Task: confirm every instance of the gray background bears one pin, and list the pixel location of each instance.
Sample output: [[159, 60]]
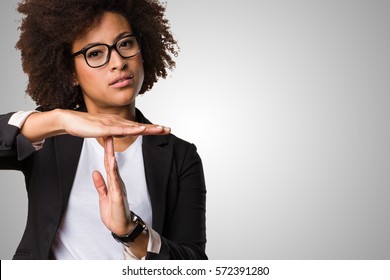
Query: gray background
[[288, 104]]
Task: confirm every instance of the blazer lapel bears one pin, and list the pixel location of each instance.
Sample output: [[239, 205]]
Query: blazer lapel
[[157, 161], [68, 149]]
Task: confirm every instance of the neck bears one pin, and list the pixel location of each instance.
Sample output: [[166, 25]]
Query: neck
[[127, 112]]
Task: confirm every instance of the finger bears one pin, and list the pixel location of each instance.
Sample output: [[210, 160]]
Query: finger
[[124, 130], [108, 151], [118, 179], [99, 183], [166, 130], [153, 128], [156, 130], [115, 185], [109, 146], [110, 162], [113, 179], [133, 130]]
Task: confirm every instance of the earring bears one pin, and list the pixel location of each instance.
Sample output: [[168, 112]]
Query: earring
[[75, 84]]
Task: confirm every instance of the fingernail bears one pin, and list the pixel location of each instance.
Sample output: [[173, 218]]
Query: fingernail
[[142, 127]]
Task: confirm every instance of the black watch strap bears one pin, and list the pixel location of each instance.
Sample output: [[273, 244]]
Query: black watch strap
[[132, 235]]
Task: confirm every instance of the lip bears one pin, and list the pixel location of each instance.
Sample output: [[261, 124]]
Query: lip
[[122, 81]]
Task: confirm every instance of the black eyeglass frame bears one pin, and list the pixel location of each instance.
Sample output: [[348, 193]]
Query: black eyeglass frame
[[110, 48]]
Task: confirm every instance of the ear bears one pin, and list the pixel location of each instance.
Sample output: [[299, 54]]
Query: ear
[[75, 80]]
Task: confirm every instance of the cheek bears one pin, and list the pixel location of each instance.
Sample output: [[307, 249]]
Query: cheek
[[86, 76], [140, 66], [141, 71], [141, 76]]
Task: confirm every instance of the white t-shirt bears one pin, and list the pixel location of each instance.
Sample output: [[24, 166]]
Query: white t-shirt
[[82, 234]]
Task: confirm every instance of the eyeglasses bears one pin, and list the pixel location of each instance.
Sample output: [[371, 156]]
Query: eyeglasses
[[99, 54]]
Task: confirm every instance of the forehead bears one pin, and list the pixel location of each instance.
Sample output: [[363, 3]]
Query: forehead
[[104, 30]]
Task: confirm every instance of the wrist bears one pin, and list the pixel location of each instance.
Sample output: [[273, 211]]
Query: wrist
[[138, 228], [42, 125], [59, 120]]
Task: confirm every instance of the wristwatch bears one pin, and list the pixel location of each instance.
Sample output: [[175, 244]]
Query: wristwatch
[[140, 226]]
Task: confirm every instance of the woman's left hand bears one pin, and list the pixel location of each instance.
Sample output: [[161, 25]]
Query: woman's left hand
[[114, 207]]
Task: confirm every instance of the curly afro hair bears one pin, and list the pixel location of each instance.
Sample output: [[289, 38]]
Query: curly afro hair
[[49, 28]]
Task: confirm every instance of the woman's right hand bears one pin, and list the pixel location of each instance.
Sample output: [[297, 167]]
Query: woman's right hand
[[39, 126]]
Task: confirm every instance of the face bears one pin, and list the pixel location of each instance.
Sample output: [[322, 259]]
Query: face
[[116, 84]]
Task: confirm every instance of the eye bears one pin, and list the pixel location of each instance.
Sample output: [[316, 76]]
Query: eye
[[96, 52], [93, 54], [126, 43]]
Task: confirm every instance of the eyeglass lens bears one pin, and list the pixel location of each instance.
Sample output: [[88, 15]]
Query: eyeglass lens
[[99, 55]]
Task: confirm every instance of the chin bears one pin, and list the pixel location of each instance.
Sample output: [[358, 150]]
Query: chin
[[126, 102], [124, 96]]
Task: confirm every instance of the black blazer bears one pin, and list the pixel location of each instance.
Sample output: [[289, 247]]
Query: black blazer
[[174, 176]]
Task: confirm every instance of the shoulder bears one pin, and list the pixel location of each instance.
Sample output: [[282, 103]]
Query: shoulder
[[179, 143], [169, 141]]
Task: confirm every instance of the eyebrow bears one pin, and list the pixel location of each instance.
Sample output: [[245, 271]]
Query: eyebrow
[[120, 35]]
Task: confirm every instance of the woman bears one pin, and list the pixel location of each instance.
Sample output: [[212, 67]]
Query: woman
[[102, 181]]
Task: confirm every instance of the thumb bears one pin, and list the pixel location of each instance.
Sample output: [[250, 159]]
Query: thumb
[[99, 183]]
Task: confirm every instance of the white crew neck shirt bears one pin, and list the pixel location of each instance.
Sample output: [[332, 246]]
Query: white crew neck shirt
[[82, 234]]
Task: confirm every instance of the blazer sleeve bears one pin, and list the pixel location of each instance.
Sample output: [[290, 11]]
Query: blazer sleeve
[[14, 147], [185, 237]]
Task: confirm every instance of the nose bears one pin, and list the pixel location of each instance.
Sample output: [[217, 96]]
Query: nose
[[116, 61]]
